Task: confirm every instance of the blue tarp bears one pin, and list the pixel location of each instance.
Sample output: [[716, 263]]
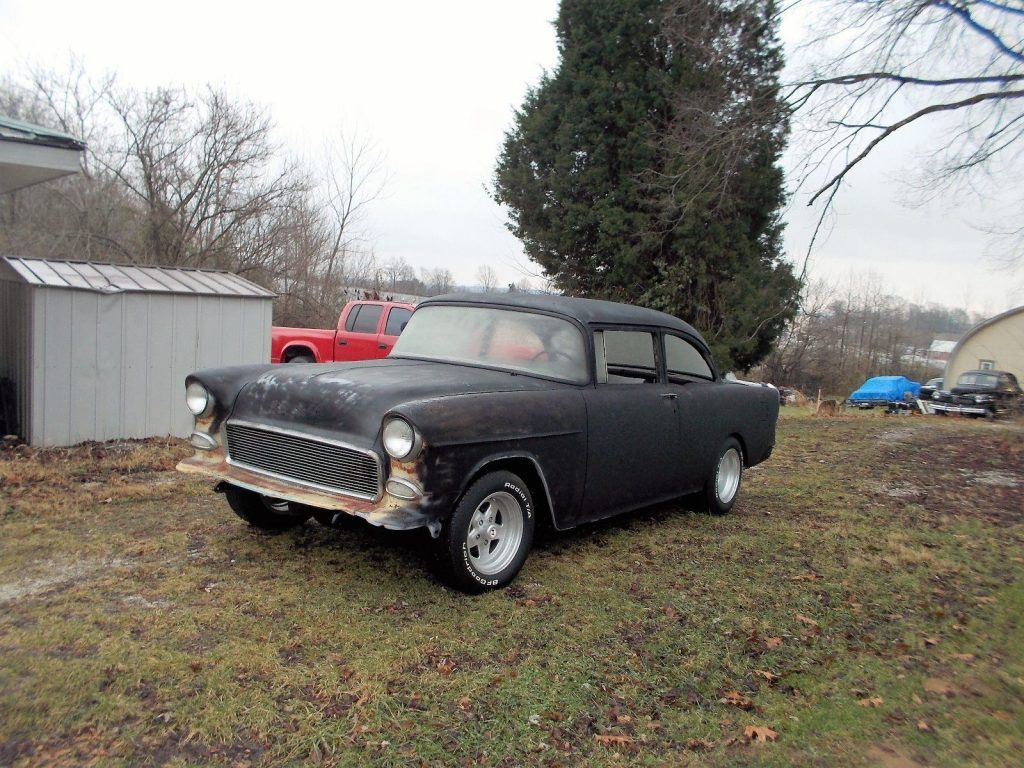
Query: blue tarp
[[885, 389]]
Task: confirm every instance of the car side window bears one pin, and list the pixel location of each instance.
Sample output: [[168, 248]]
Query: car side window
[[397, 317], [625, 357], [351, 319], [683, 361], [366, 321]]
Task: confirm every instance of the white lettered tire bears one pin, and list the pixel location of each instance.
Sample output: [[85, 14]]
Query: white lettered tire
[[487, 539]]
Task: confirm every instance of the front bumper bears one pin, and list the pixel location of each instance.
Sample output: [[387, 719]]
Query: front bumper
[[973, 410], [387, 511]]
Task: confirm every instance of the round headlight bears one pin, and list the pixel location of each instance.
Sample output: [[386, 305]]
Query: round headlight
[[400, 439], [198, 399]]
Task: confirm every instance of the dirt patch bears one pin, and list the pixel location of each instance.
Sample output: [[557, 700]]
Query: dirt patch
[[55, 573], [960, 471]]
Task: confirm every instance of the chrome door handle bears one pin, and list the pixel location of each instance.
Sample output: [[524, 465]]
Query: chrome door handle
[[669, 395]]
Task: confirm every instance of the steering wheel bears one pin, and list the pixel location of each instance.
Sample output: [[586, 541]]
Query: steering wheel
[[552, 354]]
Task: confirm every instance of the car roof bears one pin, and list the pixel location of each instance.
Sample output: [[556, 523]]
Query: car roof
[[585, 311]]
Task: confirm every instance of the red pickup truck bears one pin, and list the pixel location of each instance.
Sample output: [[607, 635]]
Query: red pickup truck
[[366, 329]]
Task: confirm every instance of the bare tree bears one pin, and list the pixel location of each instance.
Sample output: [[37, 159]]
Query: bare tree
[[487, 277], [205, 173], [437, 281], [956, 65], [353, 178]]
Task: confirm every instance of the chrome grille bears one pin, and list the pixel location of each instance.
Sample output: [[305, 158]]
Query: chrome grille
[[306, 460]]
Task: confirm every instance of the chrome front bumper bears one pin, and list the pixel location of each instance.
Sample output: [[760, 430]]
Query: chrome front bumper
[[974, 410]]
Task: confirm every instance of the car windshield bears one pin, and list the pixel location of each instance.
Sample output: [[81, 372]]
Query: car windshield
[[977, 380], [496, 338]]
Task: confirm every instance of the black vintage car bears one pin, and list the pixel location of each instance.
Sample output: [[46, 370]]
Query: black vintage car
[[980, 393], [929, 388], [491, 410]]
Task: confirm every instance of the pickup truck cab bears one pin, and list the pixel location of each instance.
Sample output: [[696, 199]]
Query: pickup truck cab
[[366, 330]]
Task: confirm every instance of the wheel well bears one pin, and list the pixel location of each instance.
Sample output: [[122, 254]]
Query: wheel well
[[295, 351], [743, 447], [527, 470]]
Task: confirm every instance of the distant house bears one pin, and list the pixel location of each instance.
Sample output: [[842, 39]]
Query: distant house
[[997, 344], [940, 350], [31, 154]]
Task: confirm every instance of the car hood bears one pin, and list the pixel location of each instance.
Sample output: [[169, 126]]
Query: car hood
[[349, 400], [969, 389]]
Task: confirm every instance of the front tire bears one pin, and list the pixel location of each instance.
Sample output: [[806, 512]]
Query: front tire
[[488, 537], [264, 512], [723, 486]]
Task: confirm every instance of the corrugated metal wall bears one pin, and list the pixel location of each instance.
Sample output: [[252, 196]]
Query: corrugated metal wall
[[109, 366], [15, 341]]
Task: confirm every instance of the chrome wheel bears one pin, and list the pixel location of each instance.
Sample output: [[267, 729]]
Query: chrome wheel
[[727, 479], [495, 533]]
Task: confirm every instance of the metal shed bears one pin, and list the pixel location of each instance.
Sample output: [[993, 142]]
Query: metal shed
[[100, 351]]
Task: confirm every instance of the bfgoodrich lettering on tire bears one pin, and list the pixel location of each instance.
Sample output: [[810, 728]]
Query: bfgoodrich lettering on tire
[[723, 486], [488, 537]]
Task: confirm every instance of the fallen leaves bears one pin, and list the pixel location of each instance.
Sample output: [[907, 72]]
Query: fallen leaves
[[872, 702], [771, 677], [967, 658], [923, 727], [772, 642], [737, 699], [806, 620], [612, 739], [939, 686], [759, 734], [699, 745]]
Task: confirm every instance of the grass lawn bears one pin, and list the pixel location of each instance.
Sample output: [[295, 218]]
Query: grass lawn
[[861, 606]]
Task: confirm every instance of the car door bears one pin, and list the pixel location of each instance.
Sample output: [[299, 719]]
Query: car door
[[632, 426], [698, 406], [362, 328], [397, 318]]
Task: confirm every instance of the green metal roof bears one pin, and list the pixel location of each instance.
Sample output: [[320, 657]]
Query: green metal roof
[[17, 130]]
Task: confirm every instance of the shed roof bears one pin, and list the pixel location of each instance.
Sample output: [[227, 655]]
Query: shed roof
[[117, 278], [583, 310]]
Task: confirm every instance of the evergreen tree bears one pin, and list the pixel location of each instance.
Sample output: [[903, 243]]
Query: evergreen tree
[[645, 167]]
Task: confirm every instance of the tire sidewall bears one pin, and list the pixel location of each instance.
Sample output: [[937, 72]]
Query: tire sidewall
[[715, 505], [455, 551]]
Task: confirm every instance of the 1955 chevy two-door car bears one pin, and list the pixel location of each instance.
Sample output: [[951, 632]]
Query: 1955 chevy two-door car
[[491, 410]]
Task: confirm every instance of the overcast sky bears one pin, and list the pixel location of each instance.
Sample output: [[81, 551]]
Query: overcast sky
[[434, 85]]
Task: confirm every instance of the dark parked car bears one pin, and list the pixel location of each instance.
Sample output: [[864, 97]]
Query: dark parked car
[[980, 393], [490, 411], [929, 388]]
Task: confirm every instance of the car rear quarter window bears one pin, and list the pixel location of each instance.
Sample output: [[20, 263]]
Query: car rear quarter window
[[367, 318], [625, 357], [396, 318], [684, 360]]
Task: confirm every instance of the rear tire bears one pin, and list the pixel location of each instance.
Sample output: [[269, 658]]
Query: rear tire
[[485, 542], [301, 359], [265, 512], [723, 485]]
